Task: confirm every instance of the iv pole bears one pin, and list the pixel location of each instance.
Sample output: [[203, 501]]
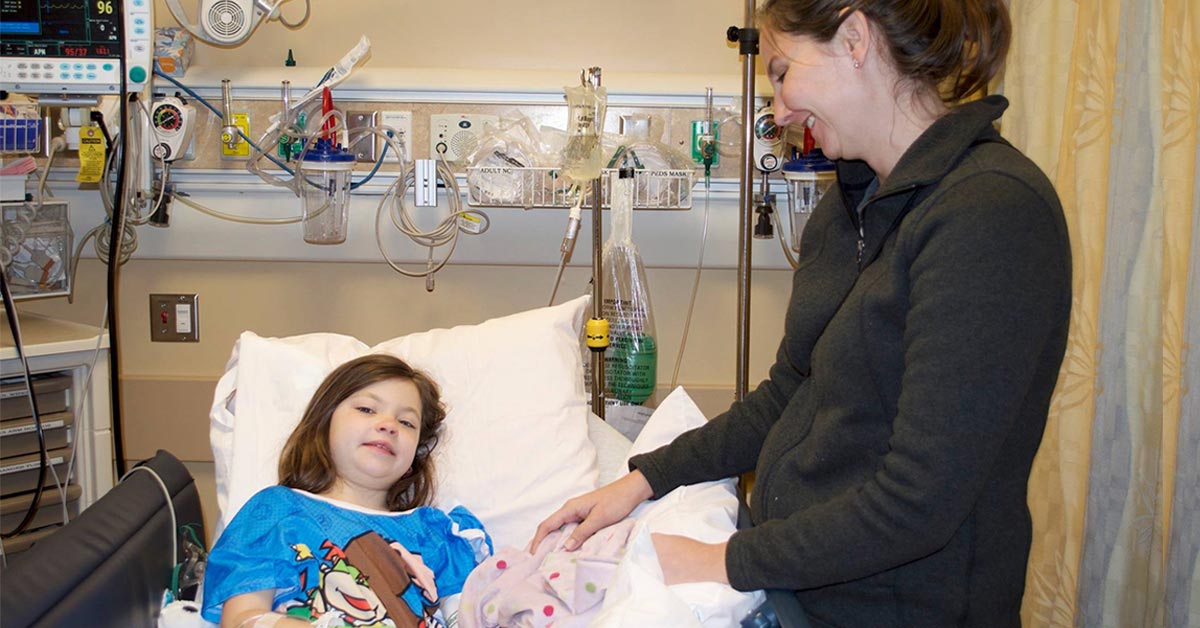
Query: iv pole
[[592, 76], [747, 39]]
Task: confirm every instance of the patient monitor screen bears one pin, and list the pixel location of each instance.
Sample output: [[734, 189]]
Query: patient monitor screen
[[60, 28]]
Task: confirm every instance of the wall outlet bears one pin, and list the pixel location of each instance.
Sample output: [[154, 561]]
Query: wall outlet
[[174, 318], [242, 149], [455, 135], [401, 123]]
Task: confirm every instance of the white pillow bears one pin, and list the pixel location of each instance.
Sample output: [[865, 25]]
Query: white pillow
[[612, 449], [515, 443], [706, 512]]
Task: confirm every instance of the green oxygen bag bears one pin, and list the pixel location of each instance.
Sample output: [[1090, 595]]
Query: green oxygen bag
[[631, 362]]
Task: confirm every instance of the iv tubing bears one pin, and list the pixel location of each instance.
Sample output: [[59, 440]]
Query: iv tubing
[[687, 322]]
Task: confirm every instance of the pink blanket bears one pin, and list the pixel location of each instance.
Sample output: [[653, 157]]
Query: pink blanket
[[551, 588]]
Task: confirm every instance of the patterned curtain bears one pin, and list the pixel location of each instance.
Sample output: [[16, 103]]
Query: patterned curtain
[[1106, 99]]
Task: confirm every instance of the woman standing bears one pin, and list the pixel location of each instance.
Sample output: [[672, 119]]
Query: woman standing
[[893, 439]]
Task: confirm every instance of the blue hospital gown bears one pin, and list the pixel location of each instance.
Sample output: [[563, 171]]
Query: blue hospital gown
[[293, 542]]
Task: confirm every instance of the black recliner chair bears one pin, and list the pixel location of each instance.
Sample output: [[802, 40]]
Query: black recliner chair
[[111, 564]]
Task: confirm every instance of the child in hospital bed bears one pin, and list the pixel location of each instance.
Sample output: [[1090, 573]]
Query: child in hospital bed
[[347, 539]]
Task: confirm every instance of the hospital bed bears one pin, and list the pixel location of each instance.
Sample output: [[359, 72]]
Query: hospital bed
[[519, 440]]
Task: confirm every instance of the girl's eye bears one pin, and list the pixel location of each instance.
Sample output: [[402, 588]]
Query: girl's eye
[[365, 410], [407, 423]]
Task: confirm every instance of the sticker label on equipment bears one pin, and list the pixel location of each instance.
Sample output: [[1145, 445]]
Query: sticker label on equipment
[[13, 394], [25, 429], [470, 224], [29, 466], [91, 155]]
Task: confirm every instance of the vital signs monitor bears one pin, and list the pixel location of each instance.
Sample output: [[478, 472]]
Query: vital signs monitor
[[75, 46]]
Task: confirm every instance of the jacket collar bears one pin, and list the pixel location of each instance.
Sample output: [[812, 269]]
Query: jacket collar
[[931, 156]]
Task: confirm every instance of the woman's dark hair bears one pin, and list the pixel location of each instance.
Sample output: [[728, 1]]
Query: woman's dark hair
[[306, 462], [951, 46]]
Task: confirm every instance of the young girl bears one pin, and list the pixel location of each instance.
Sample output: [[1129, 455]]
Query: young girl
[[355, 469]]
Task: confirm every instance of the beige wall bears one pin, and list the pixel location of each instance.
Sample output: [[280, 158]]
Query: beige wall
[[167, 387], [664, 36]]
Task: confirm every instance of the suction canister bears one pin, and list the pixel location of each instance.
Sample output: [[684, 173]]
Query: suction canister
[[808, 177], [326, 169]]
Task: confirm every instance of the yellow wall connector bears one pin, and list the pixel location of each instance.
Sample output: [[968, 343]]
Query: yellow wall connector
[[241, 148], [596, 334]]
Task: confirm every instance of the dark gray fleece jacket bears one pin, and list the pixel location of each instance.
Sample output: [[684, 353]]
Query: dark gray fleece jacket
[[893, 440]]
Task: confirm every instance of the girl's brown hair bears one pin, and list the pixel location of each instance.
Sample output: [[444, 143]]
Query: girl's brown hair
[[306, 462], [953, 47]]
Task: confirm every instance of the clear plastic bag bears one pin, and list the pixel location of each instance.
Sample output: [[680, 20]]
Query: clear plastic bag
[[582, 155], [496, 174], [631, 361], [645, 151]]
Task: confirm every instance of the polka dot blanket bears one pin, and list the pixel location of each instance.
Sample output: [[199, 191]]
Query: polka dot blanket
[[552, 588]]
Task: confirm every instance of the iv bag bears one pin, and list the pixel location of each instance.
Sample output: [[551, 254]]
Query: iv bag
[[582, 156]]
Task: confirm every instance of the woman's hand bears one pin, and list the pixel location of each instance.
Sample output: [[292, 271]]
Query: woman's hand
[[687, 560], [417, 570], [595, 510]]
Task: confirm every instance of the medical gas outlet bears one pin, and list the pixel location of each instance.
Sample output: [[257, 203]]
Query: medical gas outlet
[[234, 126]]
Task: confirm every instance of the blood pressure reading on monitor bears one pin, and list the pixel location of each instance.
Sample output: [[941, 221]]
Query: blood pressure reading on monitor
[[60, 28]]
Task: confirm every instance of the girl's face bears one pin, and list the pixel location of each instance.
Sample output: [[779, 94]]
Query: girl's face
[[815, 85], [373, 436]]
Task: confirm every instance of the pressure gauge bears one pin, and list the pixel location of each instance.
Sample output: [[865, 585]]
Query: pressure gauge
[[168, 117], [765, 128], [172, 121], [768, 141]]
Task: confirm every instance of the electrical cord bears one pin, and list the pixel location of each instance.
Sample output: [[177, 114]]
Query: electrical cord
[[43, 461], [170, 507], [446, 231], [114, 278], [81, 404], [303, 20]]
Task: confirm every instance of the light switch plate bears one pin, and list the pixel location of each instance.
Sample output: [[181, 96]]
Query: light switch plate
[[174, 318]]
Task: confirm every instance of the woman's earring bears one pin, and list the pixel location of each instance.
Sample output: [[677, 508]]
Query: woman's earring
[[857, 64]]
